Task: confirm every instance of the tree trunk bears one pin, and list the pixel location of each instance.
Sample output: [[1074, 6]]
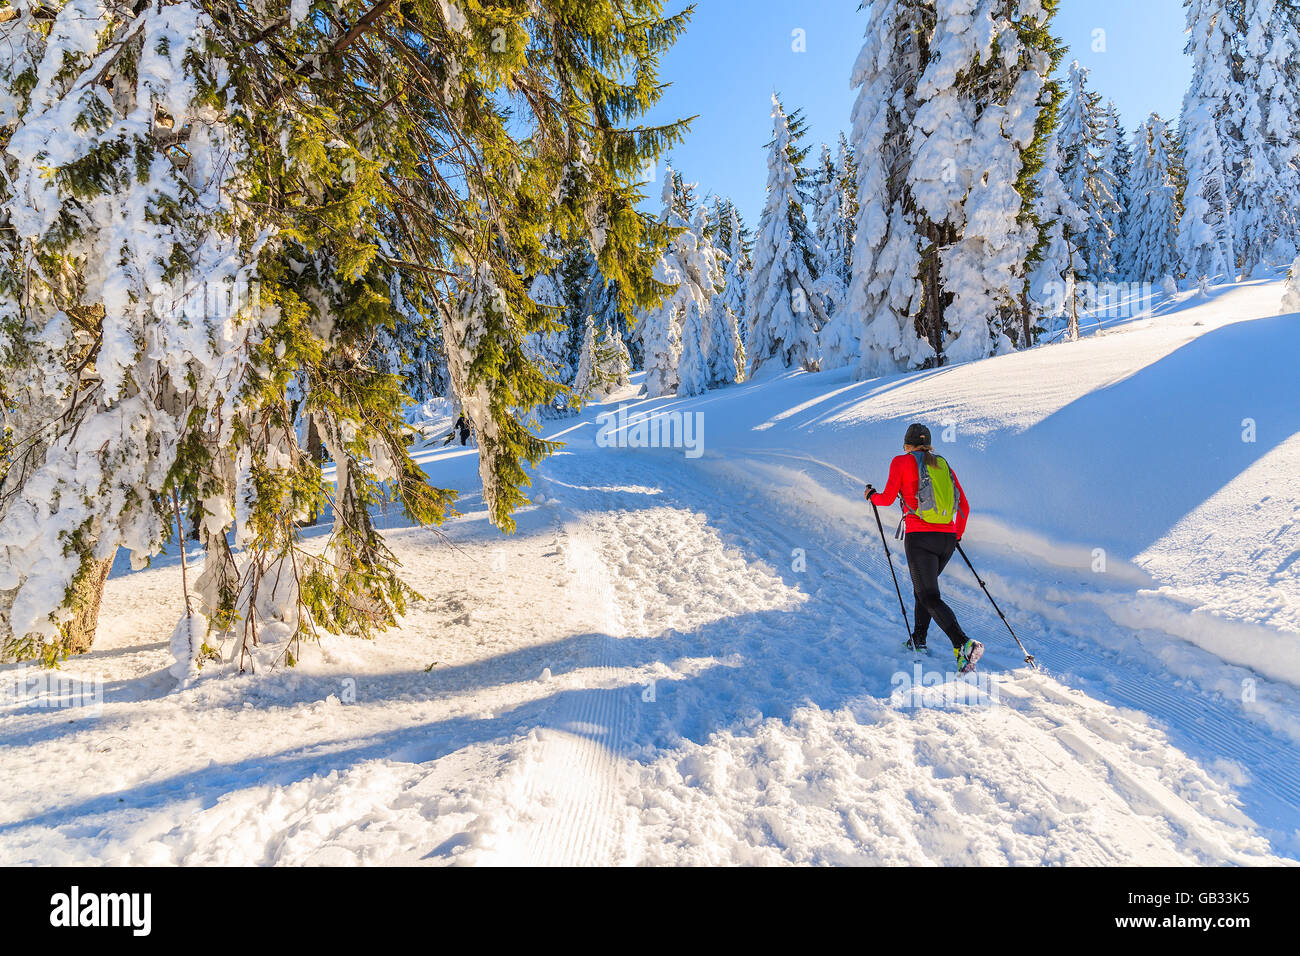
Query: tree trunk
[[79, 632], [315, 446], [316, 451], [933, 293]]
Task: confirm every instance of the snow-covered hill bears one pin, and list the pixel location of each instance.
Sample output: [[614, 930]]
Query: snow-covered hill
[[688, 659]]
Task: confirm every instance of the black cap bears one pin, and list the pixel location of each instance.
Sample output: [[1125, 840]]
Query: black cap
[[917, 434]]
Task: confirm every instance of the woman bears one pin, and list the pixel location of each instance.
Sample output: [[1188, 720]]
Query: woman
[[935, 512]]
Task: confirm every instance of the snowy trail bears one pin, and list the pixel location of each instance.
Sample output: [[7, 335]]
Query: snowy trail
[[576, 775], [774, 658], [698, 660], [461, 738], [706, 703], [1210, 720]]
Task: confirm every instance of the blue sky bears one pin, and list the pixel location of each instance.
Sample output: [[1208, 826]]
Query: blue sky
[[736, 53]]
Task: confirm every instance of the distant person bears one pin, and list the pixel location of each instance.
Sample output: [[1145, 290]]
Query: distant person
[[935, 512], [461, 426]]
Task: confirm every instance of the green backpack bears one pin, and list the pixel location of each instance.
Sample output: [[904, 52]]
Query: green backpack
[[936, 494]]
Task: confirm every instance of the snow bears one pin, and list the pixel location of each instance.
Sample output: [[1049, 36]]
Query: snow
[[686, 660], [186, 640]]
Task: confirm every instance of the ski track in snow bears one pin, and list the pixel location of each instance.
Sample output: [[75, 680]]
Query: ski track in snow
[[1053, 775], [579, 784], [698, 661], [1211, 718]]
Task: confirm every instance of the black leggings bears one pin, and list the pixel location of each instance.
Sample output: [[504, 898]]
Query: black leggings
[[927, 555]]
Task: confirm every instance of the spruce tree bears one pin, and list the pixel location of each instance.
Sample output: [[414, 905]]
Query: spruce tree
[[1205, 241], [728, 358], [950, 129], [1206, 244], [1263, 196], [783, 309], [720, 338], [834, 214], [363, 165], [846, 169], [614, 358], [573, 292], [1116, 164], [886, 290], [827, 213], [693, 375], [1088, 140], [689, 266], [1054, 273], [1151, 236], [585, 380], [726, 351]]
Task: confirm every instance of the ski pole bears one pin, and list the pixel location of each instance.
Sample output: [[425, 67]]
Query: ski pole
[[906, 623], [1029, 658]]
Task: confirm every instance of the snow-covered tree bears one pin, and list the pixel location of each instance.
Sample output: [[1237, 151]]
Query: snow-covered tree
[[1264, 195], [783, 309], [834, 213], [1210, 149], [731, 235], [734, 244], [574, 292], [885, 289], [1151, 235], [1053, 276], [946, 166], [613, 359], [126, 332], [661, 339], [728, 354], [689, 264], [1291, 290], [603, 362], [693, 373], [602, 302], [1115, 163], [1087, 138], [162, 163], [841, 207], [720, 343], [1205, 240], [1282, 114], [586, 378]]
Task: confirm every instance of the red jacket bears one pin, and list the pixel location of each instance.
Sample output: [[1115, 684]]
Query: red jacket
[[903, 482]]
